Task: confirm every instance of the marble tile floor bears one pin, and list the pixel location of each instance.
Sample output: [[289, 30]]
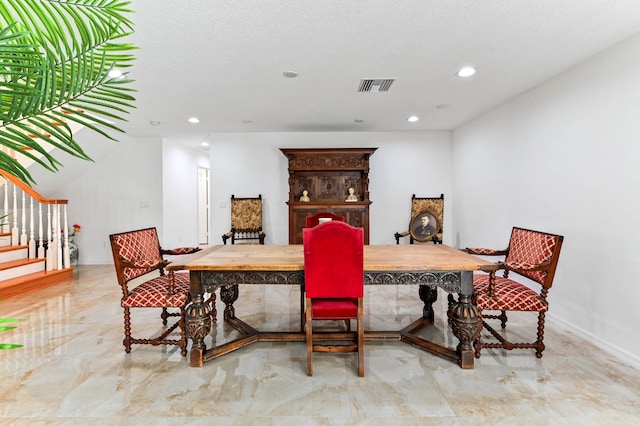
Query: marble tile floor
[[73, 370]]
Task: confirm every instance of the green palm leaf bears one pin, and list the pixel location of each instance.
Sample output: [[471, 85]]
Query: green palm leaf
[[6, 328], [55, 58]]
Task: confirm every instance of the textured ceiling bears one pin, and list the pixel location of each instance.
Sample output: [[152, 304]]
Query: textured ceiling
[[223, 60]]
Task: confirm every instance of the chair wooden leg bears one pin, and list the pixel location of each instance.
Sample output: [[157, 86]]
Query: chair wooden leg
[[302, 310], [309, 337], [164, 315], [127, 331], [539, 345], [450, 302], [211, 303], [360, 335], [477, 345], [503, 319], [183, 331]]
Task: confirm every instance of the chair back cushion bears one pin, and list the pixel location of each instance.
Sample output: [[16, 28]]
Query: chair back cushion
[[140, 247], [314, 220], [333, 260], [246, 213], [527, 248]]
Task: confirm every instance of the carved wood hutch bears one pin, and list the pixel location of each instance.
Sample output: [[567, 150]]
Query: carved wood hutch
[[327, 174]]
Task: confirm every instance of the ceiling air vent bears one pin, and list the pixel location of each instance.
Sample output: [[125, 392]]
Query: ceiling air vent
[[375, 85]]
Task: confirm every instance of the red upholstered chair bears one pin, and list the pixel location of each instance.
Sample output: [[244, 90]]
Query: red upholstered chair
[[532, 255], [310, 222], [334, 283], [138, 253], [316, 219]]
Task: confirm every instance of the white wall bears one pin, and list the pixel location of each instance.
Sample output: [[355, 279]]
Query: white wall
[[564, 158], [135, 183], [248, 164], [121, 191], [180, 197]]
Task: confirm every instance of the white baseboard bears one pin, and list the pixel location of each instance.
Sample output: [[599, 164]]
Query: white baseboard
[[622, 355]]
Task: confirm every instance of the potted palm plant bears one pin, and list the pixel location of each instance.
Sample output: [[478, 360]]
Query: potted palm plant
[[55, 64]]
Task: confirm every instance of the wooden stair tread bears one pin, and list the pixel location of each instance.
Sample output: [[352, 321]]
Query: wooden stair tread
[[12, 248], [19, 262], [31, 282]]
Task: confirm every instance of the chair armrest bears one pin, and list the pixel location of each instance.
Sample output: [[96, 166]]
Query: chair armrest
[[226, 236], [180, 250], [399, 235], [486, 251], [144, 264], [524, 266]]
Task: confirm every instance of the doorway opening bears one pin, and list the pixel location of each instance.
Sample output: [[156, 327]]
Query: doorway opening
[[203, 206]]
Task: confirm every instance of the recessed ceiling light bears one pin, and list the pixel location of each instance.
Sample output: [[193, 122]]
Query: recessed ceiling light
[[290, 74], [114, 73], [412, 119], [204, 144], [194, 120], [466, 72], [154, 123]]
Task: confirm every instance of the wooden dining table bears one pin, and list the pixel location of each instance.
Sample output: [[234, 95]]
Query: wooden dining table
[[431, 266]]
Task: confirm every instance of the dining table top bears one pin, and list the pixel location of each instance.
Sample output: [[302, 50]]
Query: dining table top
[[257, 257]]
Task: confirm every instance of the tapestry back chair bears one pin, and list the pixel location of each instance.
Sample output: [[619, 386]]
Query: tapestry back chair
[[137, 255], [246, 221], [532, 255], [426, 220], [334, 284]]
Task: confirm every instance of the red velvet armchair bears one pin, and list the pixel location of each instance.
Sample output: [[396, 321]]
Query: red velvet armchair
[[532, 255], [138, 253], [334, 284]]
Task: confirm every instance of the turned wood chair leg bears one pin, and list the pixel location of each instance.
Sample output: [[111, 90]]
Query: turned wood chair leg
[[183, 332], [164, 315], [503, 319], [539, 345], [127, 331]]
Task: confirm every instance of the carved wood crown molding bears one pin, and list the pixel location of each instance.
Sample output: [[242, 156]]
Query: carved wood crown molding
[[325, 163], [328, 159]]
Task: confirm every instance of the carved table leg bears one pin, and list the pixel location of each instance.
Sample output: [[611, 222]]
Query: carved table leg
[[198, 326], [465, 322], [229, 294], [428, 295]]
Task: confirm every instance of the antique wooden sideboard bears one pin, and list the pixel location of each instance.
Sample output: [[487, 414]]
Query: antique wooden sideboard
[[327, 174]]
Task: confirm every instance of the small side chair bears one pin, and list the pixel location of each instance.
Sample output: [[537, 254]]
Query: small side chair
[[246, 221], [431, 209]]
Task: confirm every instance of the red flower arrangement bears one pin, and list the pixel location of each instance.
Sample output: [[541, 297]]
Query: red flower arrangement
[[73, 230]]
